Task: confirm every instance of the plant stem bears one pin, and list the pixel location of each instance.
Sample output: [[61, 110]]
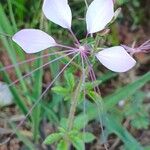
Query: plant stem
[[75, 99], [74, 105]]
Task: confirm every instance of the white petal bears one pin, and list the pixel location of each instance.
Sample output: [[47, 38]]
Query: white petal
[[33, 40], [99, 14], [116, 59], [59, 12]]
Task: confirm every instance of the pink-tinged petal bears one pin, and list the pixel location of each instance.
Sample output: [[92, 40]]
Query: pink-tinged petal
[[116, 59], [33, 40], [99, 14], [59, 12]]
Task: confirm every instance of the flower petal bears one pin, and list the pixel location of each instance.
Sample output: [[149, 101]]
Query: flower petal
[[59, 12], [33, 40], [99, 14], [116, 59]]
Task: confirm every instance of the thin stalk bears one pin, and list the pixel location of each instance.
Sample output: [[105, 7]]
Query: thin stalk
[[39, 68], [32, 59], [86, 4], [84, 93], [74, 101], [74, 105], [75, 38], [98, 103], [64, 46], [40, 98]]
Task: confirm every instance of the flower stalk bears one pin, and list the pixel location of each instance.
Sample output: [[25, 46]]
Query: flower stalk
[[74, 103]]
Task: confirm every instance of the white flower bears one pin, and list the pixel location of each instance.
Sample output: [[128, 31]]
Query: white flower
[[99, 14]]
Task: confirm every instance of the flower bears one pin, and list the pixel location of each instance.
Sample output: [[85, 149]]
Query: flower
[[143, 48], [99, 14]]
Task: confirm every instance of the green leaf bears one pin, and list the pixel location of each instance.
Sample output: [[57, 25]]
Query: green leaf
[[140, 122], [115, 127], [60, 90], [91, 85], [62, 145], [37, 90], [64, 123], [88, 137], [54, 137], [78, 143], [111, 100], [70, 79], [79, 123], [125, 92]]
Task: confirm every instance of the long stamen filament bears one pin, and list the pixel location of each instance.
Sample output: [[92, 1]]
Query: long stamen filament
[[39, 68], [40, 98], [93, 78], [64, 46], [75, 38], [32, 59]]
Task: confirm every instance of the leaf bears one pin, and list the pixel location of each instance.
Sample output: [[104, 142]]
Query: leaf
[[37, 90], [81, 121], [88, 137], [62, 145], [60, 90], [111, 100], [91, 85], [78, 143], [115, 127], [126, 91], [70, 79], [140, 122], [64, 123], [54, 137]]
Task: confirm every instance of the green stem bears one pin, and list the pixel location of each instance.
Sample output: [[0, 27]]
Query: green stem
[[75, 100], [74, 105]]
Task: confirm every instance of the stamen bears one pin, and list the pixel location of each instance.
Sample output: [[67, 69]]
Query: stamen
[[77, 41], [27, 75], [145, 43], [100, 110], [40, 98], [64, 46], [32, 59]]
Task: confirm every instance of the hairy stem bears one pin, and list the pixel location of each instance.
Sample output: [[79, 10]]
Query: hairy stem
[[74, 105], [76, 97]]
